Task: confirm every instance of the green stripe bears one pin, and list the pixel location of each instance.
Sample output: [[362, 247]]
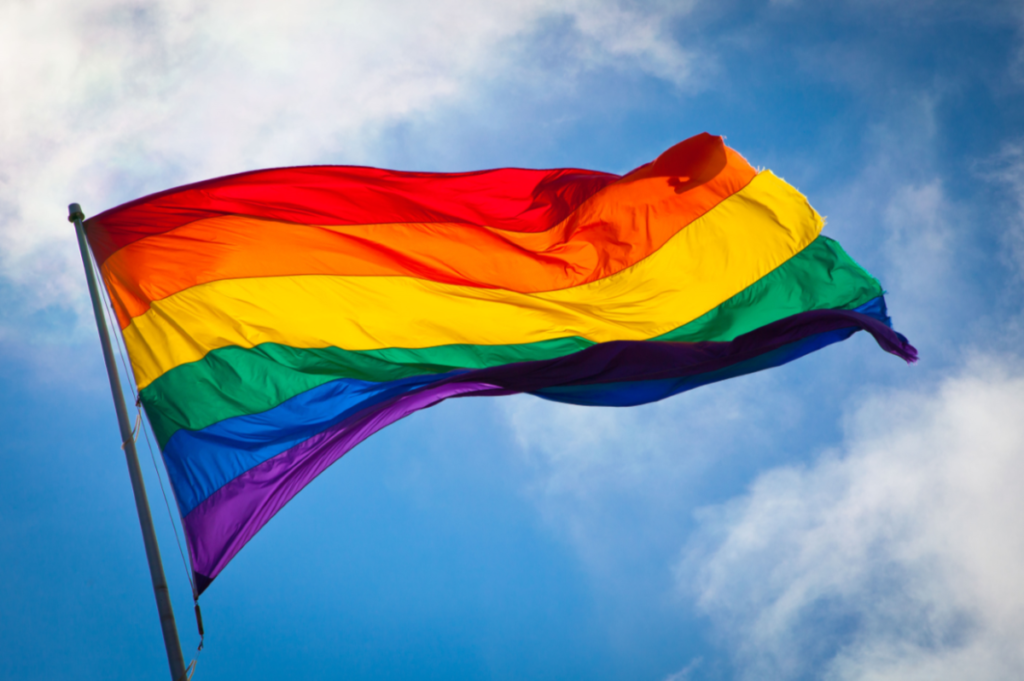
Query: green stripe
[[233, 381]]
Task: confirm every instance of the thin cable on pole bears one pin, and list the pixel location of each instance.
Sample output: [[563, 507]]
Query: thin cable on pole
[[184, 561], [111, 318]]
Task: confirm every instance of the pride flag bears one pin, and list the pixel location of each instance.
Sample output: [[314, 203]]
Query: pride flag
[[275, 319]]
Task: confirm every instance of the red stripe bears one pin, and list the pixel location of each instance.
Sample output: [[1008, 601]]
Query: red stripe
[[512, 199], [506, 198]]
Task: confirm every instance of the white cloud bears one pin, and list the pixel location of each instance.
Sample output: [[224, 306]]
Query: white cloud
[[1006, 170], [919, 244], [896, 557], [686, 673], [586, 453], [106, 100]]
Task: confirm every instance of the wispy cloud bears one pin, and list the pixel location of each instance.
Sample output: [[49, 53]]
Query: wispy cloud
[[894, 557], [1006, 170], [686, 673], [583, 453]]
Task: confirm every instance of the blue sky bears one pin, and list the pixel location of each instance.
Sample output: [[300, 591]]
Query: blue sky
[[845, 517]]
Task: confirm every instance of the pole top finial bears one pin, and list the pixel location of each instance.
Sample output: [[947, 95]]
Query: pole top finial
[[75, 212]]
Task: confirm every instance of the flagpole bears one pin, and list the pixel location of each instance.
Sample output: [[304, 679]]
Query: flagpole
[[156, 568]]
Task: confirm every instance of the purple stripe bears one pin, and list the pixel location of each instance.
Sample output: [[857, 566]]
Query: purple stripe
[[222, 524]]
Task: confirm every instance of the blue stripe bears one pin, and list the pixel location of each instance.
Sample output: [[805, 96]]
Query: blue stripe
[[199, 462]]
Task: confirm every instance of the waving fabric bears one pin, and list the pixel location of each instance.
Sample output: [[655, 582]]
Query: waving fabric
[[277, 318]]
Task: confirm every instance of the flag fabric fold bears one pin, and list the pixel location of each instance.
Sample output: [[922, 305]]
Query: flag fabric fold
[[277, 318]]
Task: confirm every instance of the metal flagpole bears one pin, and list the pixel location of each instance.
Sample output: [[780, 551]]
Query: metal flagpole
[[156, 568]]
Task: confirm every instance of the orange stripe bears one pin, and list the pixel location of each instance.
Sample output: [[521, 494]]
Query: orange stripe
[[613, 230]]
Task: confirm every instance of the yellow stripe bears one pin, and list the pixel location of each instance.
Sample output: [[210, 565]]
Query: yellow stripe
[[714, 258]]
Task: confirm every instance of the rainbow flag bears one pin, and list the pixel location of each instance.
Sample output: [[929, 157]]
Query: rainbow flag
[[275, 319]]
